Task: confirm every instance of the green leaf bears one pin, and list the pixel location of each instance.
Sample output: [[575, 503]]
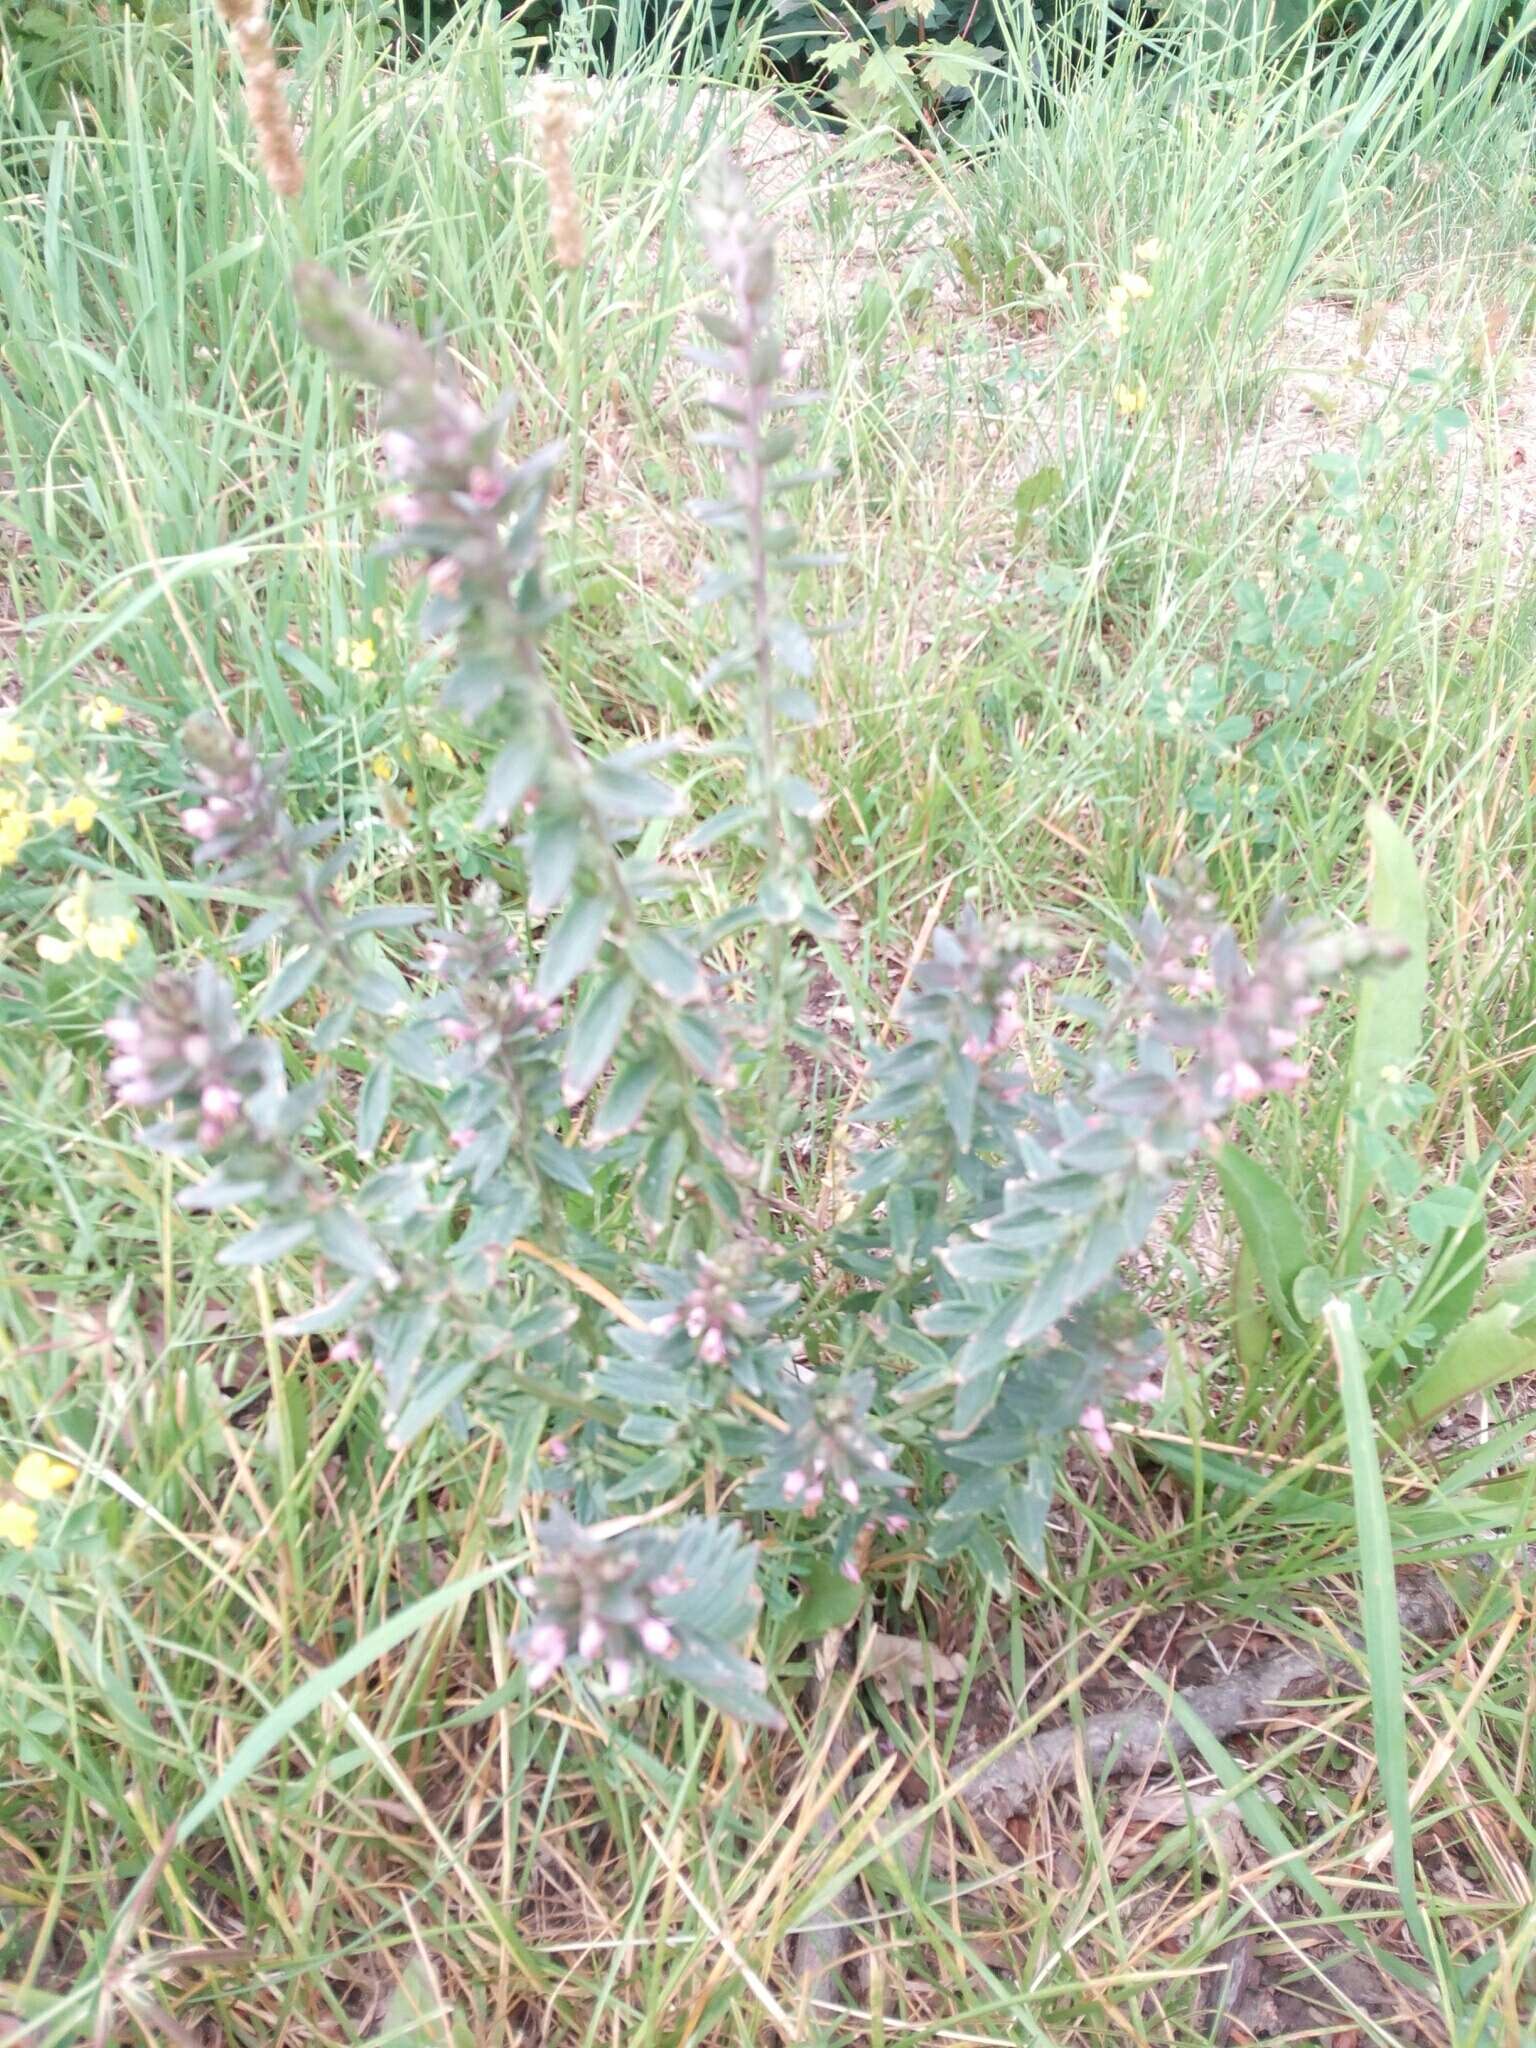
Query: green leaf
[[1378, 1603], [1251, 1325], [827, 1601], [955, 63], [1513, 1280], [1389, 1018], [1040, 488], [373, 1108], [291, 981], [419, 2016], [347, 1241], [886, 72], [630, 1090], [270, 1241], [1272, 1229], [599, 1023], [572, 944], [667, 966], [553, 854], [1487, 1350]]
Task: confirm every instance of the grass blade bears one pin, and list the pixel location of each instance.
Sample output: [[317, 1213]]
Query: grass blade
[[1378, 1606]]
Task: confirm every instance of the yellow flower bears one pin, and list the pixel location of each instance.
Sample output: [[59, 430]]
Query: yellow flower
[[104, 938], [431, 748], [1131, 398], [1149, 251], [383, 767], [109, 938], [78, 810], [357, 655], [18, 1524], [40, 1477], [13, 835], [1134, 285], [101, 714], [14, 751]]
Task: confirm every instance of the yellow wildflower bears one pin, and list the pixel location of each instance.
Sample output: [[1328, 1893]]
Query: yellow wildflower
[[78, 810], [1114, 310], [357, 655], [14, 751], [1131, 398], [1149, 251], [18, 1524], [40, 1477], [101, 714], [104, 938], [383, 767], [431, 748], [13, 832], [1134, 285]]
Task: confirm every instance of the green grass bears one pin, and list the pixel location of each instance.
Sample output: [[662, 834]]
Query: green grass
[[265, 1768]]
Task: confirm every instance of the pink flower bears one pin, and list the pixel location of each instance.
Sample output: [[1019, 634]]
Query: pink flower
[[346, 1348], [463, 1138], [546, 1652], [199, 821], [849, 1489], [850, 1572], [1091, 1421], [657, 1637], [459, 1029], [592, 1638]]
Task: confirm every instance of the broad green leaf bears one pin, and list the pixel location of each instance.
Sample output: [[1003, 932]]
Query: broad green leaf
[[1513, 1280], [373, 1107], [291, 981], [572, 944], [827, 1601], [1251, 1324], [955, 63], [1040, 488], [599, 1022], [1389, 1021], [1378, 1607], [1453, 1278], [270, 1241], [419, 2016], [351, 1244], [1272, 1229], [1487, 1350], [668, 966]]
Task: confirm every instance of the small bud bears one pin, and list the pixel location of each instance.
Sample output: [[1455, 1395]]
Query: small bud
[[849, 1489], [591, 1640], [1091, 1421], [657, 1637], [850, 1572]]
